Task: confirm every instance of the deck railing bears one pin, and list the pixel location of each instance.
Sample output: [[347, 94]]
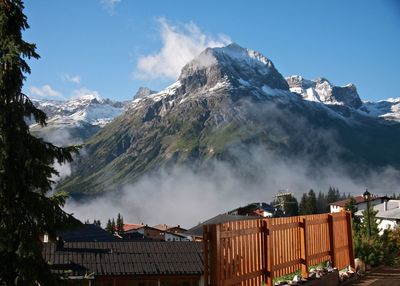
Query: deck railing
[[253, 252]]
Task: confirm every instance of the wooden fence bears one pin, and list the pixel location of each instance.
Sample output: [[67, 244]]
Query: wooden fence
[[253, 252]]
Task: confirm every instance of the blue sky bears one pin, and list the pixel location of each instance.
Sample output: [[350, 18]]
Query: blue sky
[[112, 47]]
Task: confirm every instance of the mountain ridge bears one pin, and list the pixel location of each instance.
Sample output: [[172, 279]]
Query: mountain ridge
[[226, 102]]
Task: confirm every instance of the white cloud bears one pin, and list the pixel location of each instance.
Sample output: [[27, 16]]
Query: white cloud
[[69, 78], [44, 91], [180, 44], [110, 4]]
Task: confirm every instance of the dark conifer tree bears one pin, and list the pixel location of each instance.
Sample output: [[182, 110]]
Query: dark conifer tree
[[322, 204], [113, 226], [332, 196], [304, 206], [291, 206], [308, 203], [26, 209], [109, 226], [120, 224], [312, 202]]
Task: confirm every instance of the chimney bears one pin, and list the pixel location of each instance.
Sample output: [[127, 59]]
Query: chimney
[[385, 205]]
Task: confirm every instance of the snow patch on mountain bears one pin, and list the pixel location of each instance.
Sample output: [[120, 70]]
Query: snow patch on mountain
[[388, 109], [86, 109]]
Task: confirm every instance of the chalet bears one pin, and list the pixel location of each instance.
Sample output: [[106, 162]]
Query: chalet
[[156, 233], [127, 227], [126, 263], [254, 209], [170, 228], [388, 214], [360, 202]]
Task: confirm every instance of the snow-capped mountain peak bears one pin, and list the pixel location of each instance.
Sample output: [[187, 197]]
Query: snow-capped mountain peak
[[88, 96], [230, 65]]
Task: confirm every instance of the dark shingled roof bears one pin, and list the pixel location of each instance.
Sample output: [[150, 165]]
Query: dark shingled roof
[[125, 258], [85, 232]]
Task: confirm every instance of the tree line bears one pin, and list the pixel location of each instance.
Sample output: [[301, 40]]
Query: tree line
[[310, 203]]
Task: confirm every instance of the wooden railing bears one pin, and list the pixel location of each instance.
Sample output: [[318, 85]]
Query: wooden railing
[[253, 252]]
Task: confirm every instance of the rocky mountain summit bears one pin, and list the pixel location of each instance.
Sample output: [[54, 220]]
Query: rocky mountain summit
[[75, 120], [321, 90], [229, 103]]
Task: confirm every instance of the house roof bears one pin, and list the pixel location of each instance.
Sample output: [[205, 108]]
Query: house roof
[[392, 212], [255, 208], [198, 229], [132, 226], [163, 227], [359, 200], [125, 258], [166, 227], [85, 232]]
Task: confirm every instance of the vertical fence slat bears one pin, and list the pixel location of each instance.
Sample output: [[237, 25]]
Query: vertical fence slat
[[332, 239]]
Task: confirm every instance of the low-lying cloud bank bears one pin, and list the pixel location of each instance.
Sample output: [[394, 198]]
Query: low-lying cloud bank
[[186, 197]]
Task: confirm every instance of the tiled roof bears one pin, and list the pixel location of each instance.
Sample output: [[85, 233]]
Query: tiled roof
[[132, 226], [163, 227], [359, 200], [125, 258]]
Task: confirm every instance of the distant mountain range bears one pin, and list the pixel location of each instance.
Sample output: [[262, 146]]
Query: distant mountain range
[[226, 102]]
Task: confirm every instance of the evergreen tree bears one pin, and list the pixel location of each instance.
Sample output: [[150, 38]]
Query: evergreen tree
[[304, 205], [369, 222], [97, 222], [120, 224], [308, 203], [110, 226], [113, 226], [351, 206], [333, 195], [312, 201], [322, 204], [291, 206], [26, 209]]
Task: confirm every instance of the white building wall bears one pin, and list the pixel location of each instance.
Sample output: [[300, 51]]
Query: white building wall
[[385, 224], [335, 209]]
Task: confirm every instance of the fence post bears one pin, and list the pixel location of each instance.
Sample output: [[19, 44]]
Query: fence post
[[304, 252], [215, 257], [268, 252], [350, 239], [332, 239]]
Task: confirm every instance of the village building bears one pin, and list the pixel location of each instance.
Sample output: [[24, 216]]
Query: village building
[[254, 209], [126, 263], [361, 204], [160, 232], [388, 214]]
